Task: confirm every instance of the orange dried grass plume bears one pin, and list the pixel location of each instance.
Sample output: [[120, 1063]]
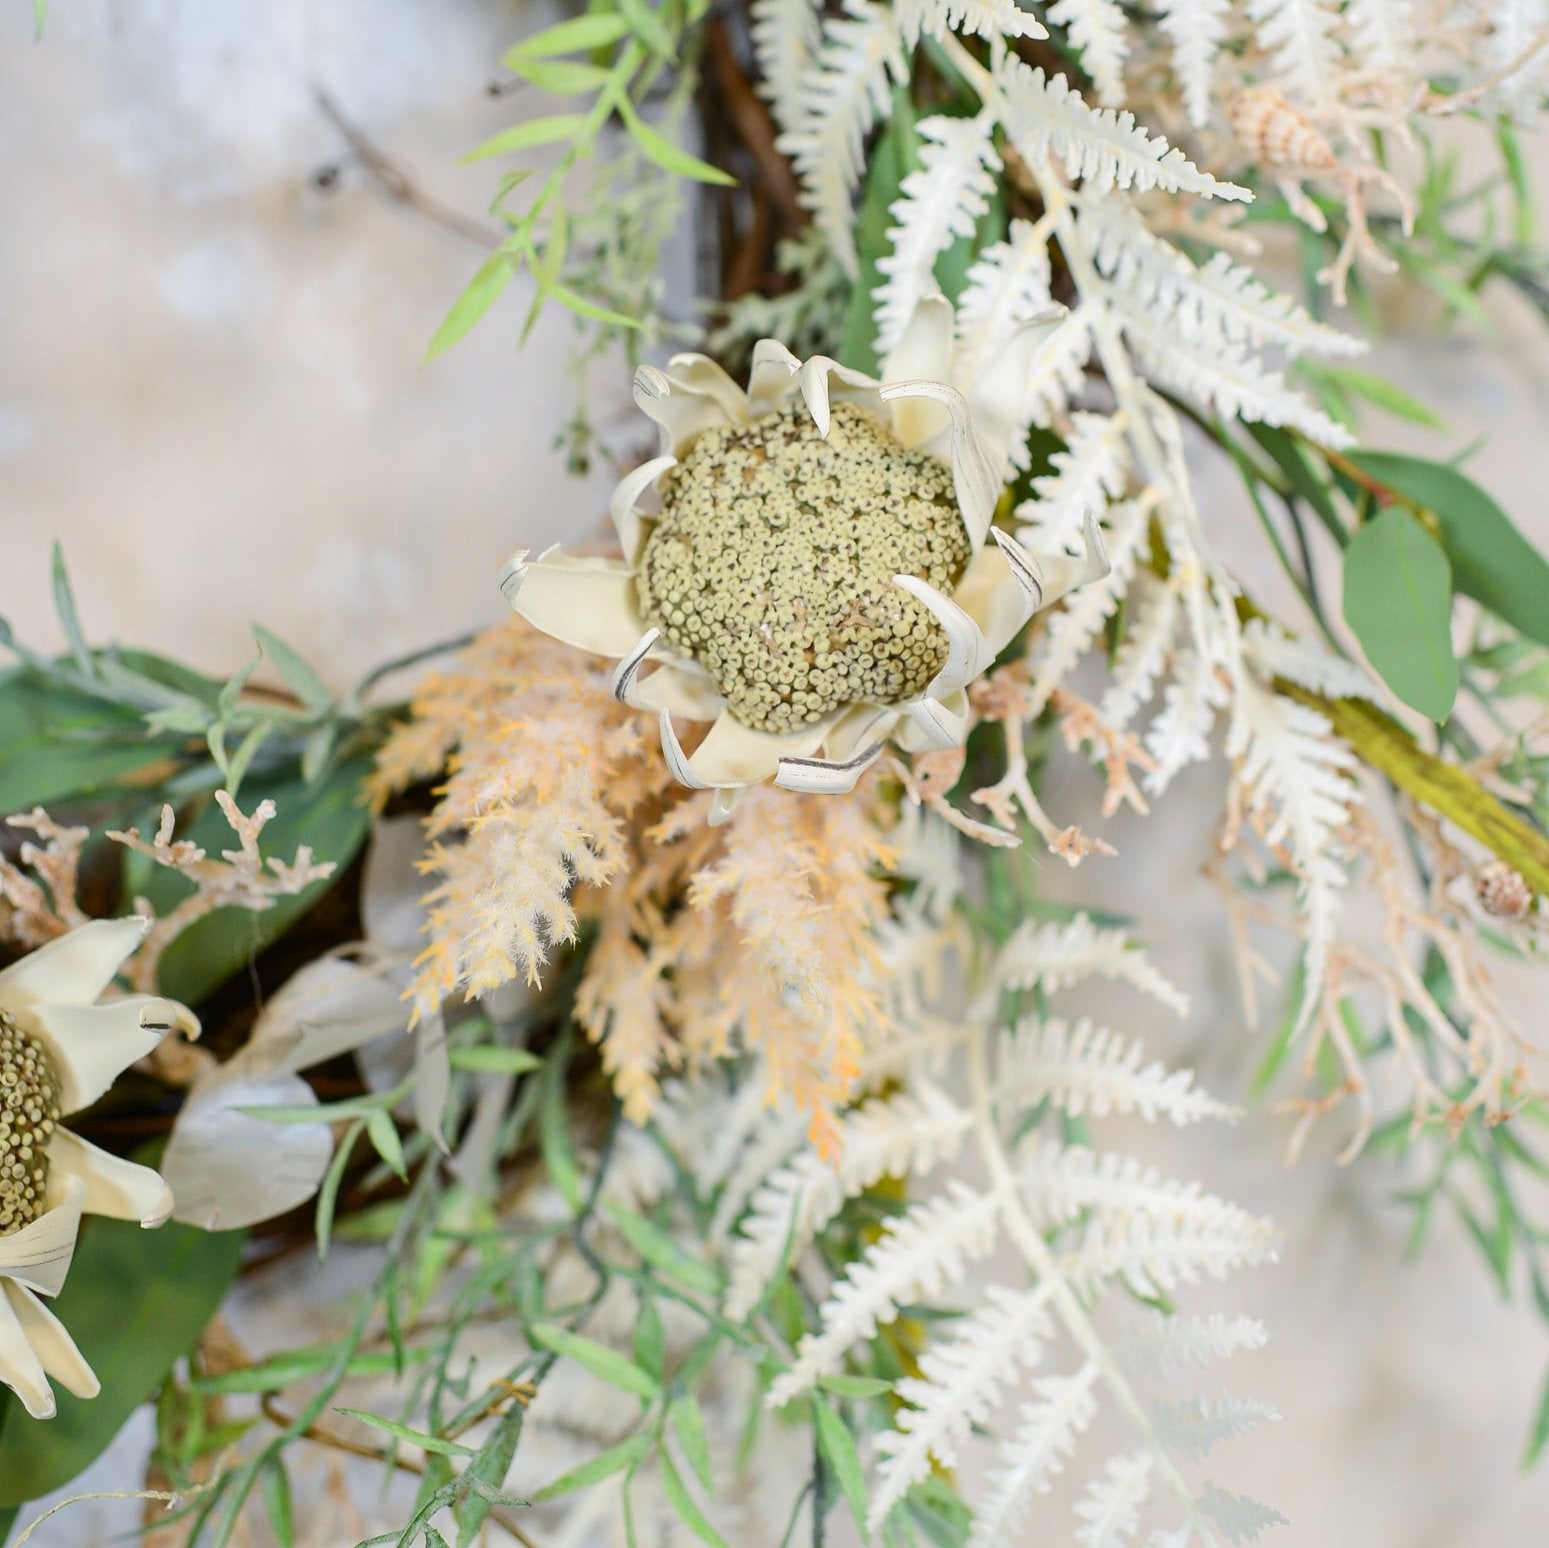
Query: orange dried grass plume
[[758, 935]]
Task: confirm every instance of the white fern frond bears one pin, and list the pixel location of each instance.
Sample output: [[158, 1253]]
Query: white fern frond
[[842, 93], [1297, 777], [1166, 1344], [1054, 375], [786, 34], [1052, 956], [1169, 1537], [1221, 374], [1382, 38], [1195, 1426], [1195, 29], [1144, 651], [1299, 37], [1007, 284], [1241, 1519], [1046, 1435], [1515, 26], [1221, 302], [1180, 735], [906, 1135], [984, 18], [961, 1379], [1110, 1510], [1087, 474], [1099, 30], [1105, 149], [918, 1255], [940, 201], [1091, 1070], [1070, 631], [1272, 653], [775, 1138]]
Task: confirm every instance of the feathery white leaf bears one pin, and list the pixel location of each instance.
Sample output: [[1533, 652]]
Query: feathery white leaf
[[1143, 653], [1054, 376], [906, 1135], [769, 1144], [1272, 653], [842, 93], [1220, 303], [1089, 472], [1199, 1423], [1007, 284], [1105, 149], [1089, 1069], [1382, 40], [1514, 26], [1196, 29], [985, 18], [1298, 35], [1046, 1435], [938, 202], [1110, 1509], [1097, 28], [1242, 1519], [961, 1378], [918, 1255], [1296, 773], [786, 34], [1051, 956], [1180, 735], [1165, 1344]]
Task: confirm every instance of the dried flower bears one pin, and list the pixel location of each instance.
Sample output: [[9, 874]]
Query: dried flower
[[59, 1051]]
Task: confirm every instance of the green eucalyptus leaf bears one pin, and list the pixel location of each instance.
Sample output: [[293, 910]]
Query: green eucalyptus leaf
[[561, 77], [1492, 561], [1398, 600], [135, 1302]]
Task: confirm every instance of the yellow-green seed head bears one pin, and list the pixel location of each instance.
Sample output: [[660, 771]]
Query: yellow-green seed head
[[29, 1114], [772, 564]]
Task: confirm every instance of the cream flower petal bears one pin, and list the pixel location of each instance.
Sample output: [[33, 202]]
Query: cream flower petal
[[968, 655], [998, 395], [119, 1189], [686, 402], [826, 776], [932, 725], [39, 1254], [20, 1368], [51, 1343], [678, 687], [858, 727], [973, 474], [228, 1169], [818, 377], [771, 376], [92, 1044], [75, 968], [998, 593], [627, 517], [586, 602], [924, 350], [331, 1006], [733, 754]]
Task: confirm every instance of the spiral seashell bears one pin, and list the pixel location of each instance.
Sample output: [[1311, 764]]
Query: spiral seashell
[[1276, 133]]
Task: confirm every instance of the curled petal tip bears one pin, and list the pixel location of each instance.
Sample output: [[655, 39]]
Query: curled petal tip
[[677, 760], [168, 1016], [512, 573], [629, 668], [825, 776], [651, 384], [1097, 562]]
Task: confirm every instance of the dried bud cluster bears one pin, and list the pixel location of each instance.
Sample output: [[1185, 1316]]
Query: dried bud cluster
[[772, 564], [29, 1113], [1502, 890]]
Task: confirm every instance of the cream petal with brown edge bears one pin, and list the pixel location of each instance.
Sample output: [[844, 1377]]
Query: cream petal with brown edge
[[39, 1254], [690, 372], [973, 475], [857, 727], [771, 377], [994, 598], [119, 1189], [628, 518], [733, 754], [75, 968], [818, 379], [50, 1341], [933, 725], [587, 602], [93, 1044], [683, 409], [682, 689], [923, 352]]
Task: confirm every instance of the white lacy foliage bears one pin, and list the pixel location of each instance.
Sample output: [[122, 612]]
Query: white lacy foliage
[[1299, 37], [984, 18], [1090, 1225], [1300, 793], [939, 201], [1087, 474], [1381, 33], [1272, 653], [1097, 28], [1196, 30], [1007, 284], [785, 39]]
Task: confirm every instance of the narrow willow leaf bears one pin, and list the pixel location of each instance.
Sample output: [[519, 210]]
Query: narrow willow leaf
[[494, 1060], [614, 1460], [839, 1451], [615, 1369], [664, 1254], [554, 1134], [69, 619], [683, 1502], [275, 1485], [1492, 561], [669, 157], [1538, 1439], [1398, 600], [299, 676], [688, 1423], [650, 1340], [383, 1133], [536, 131], [328, 1192], [648, 27], [1379, 390], [421, 1438], [562, 77], [483, 290], [855, 1386], [580, 34]]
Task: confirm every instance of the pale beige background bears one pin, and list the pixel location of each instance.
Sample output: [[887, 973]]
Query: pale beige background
[[210, 391]]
